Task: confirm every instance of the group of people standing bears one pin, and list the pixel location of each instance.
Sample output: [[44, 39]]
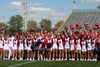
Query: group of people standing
[[73, 45]]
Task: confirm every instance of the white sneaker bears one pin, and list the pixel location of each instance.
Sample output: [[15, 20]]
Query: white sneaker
[[56, 58], [30, 59], [38, 58], [62, 59], [21, 59], [33, 58], [49, 59], [65, 58], [59, 59], [12, 58], [3, 58], [27, 59], [53, 59]]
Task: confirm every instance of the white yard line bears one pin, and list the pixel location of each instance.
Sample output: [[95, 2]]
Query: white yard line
[[21, 64]]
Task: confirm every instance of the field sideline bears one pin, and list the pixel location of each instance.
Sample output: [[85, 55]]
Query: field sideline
[[10, 63]]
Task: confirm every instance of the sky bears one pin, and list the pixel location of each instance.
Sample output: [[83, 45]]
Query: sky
[[54, 10]]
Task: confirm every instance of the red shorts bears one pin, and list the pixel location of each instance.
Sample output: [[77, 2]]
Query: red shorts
[[1, 48]]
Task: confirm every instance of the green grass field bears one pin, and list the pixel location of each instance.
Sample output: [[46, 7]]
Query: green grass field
[[10, 63]]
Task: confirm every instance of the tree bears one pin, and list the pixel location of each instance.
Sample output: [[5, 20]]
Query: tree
[[33, 24], [59, 23], [98, 7], [5, 26], [48, 24], [15, 24]]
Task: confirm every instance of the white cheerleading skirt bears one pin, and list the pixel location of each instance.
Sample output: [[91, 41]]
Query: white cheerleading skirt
[[25, 47], [93, 46], [21, 47], [78, 47], [61, 47], [40, 47], [72, 47], [29, 47], [83, 48], [89, 47], [6, 47], [54, 46], [15, 47], [67, 46]]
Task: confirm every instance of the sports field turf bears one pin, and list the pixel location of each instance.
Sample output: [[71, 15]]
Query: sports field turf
[[10, 63]]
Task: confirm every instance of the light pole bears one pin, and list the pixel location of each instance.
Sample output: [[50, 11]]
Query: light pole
[[25, 15]]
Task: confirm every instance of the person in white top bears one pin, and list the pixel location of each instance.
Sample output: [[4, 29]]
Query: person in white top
[[10, 39], [61, 48], [55, 48], [89, 47], [21, 47], [15, 44], [6, 48], [72, 44], [29, 52], [1, 48], [78, 47], [84, 50], [67, 47]]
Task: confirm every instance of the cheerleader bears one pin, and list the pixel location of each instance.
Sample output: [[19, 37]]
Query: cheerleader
[[72, 48], [49, 46], [21, 48], [6, 48], [25, 47], [83, 43], [78, 47], [10, 39], [1, 48], [34, 40], [38, 42], [15, 44], [89, 47], [55, 48], [45, 48], [93, 46], [42, 48], [29, 51], [67, 47], [61, 49]]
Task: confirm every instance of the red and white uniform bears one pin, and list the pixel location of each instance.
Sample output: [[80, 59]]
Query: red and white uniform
[[60, 44], [54, 43], [42, 44], [83, 43], [72, 42], [78, 46], [49, 42], [1, 45], [93, 44], [67, 43], [36, 47], [25, 44], [6, 44], [21, 47], [11, 39], [29, 44], [15, 43], [89, 44]]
